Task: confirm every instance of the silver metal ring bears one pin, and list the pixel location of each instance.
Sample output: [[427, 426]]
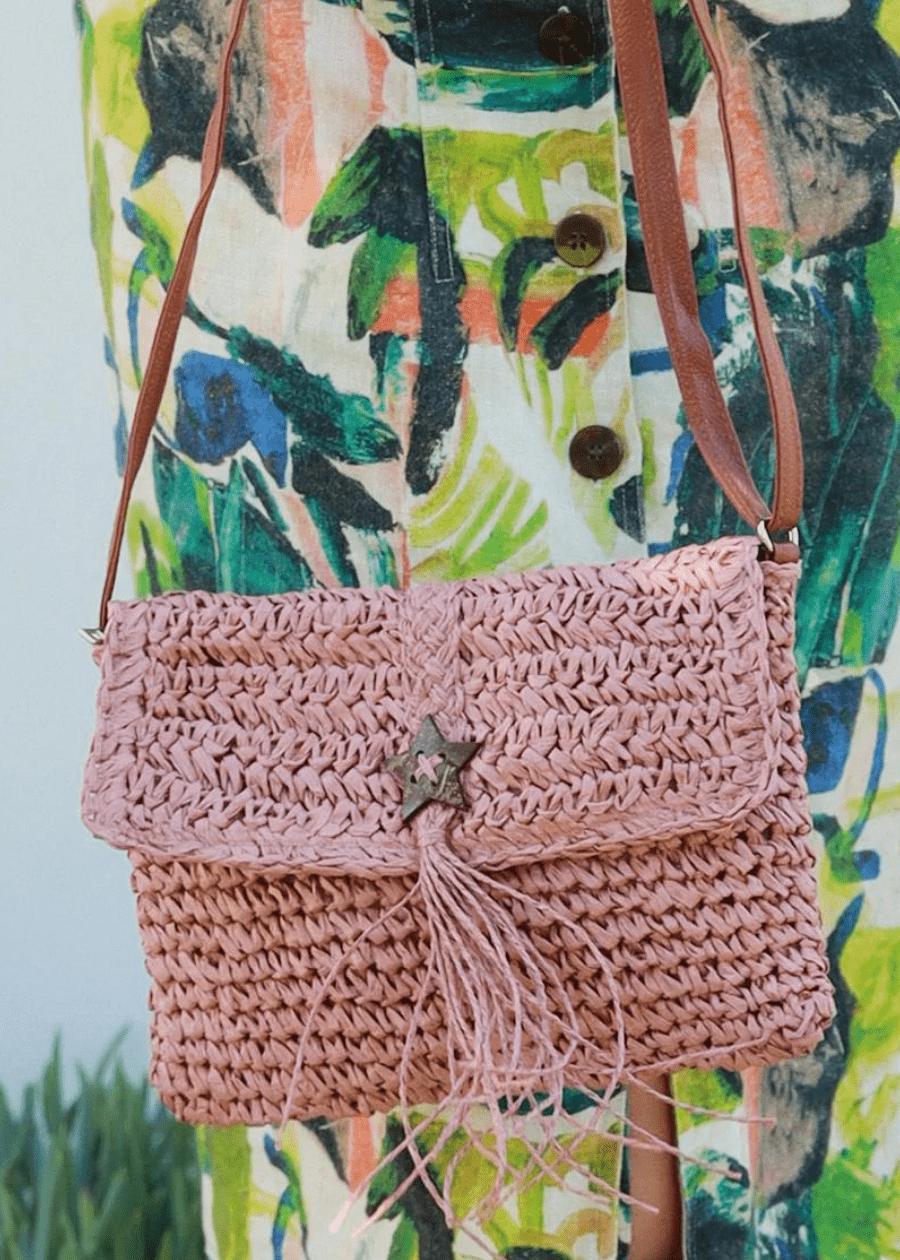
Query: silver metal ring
[[764, 537]]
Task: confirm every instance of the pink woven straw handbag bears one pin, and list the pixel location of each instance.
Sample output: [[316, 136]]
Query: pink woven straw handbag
[[485, 838]]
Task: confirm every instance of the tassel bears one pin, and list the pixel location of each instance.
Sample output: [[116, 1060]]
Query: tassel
[[512, 1033], [511, 1026]]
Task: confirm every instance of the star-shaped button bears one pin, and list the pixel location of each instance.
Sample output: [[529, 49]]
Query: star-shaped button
[[440, 781]]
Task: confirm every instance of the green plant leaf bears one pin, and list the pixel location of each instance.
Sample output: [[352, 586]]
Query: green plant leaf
[[47, 1202], [166, 1249], [96, 1179], [7, 1128], [12, 1225], [87, 1217], [109, 1055], [51, 1092], [13, 1137], [82, 1137], [116, 1195]]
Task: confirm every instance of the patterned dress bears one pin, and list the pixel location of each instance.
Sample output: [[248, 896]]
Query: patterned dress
[[381, 369]]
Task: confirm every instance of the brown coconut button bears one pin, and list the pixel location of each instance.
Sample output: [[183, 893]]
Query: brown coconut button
[[580, 240], [566, 39], [595, 452]]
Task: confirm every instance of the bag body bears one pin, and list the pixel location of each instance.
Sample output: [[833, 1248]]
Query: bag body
[[640, 769]]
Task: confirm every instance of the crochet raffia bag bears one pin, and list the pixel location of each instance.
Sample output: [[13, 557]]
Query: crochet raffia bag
[[482, 838]]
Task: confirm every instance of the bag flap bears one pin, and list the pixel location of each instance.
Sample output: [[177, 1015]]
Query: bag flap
[[644, 700]]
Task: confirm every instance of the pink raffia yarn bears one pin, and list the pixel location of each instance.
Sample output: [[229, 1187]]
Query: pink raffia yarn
[[631, 887]]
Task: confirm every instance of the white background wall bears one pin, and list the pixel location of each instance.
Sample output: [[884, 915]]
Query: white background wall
[[69, 955]]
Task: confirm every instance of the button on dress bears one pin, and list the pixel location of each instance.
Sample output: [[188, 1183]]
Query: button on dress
[[421, 345]]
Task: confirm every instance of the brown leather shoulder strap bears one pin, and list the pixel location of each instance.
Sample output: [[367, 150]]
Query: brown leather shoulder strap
[[646, 113], [163, 346], [642, 85], [787, 497]]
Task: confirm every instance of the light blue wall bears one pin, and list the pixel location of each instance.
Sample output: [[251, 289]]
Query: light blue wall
[[69, 955]]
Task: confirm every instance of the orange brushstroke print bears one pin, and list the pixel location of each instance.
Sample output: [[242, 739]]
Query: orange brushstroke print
[[400, 314], [376, 60], [361, 1157], [705, 184], [290, 111]]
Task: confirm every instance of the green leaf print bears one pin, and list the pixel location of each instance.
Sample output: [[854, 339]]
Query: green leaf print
[[882, 263], [473, 165], [261, 489], [559, 330], [213, 537], [684, 60], [404, 1242], [416, 1205], [477, 522], [291, 1212], [102, 220], [849, 590], [228, 1151], [382, 185], [769, 246], [85, 28], [848, 596], [155, 260], [512, 272], [225, 542], [377, 260], [871, 965], [555, 150], [856, 1213], [337, 425], [477, 163], [527, 1222], [316, 479], [117, 51], [157, 257], [856, 1201], [334, 501], [355, 200], [715, 1091], [155, 561], [183, 499], [253, 557], [382, 563]]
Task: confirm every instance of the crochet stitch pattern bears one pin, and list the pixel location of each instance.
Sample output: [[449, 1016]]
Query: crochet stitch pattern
[[639, 787]]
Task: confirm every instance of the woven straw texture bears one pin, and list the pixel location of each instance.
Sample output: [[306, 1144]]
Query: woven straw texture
[[640, 777]]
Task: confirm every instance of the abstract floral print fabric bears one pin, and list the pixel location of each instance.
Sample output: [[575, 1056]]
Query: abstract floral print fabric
[[386, 355]]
